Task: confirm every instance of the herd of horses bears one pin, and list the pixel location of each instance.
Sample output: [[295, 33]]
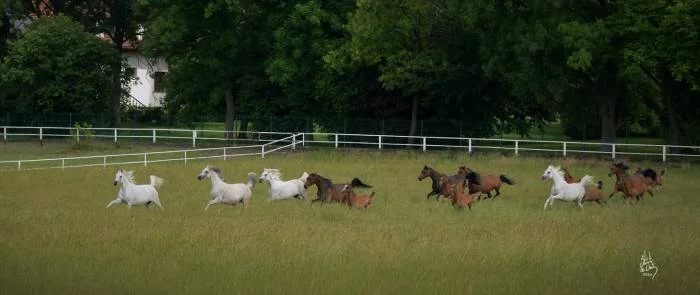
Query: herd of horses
[[462, 189]]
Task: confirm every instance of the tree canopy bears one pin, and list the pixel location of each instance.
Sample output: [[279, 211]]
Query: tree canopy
[[55, 66], [483, 67]]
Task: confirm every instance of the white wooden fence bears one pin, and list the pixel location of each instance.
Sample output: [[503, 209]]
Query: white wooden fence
[[264, 144]]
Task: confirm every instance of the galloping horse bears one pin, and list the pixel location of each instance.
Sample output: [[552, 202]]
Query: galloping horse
[[653, 179], [483, 184], [633, 186], [357, 201], [136, 194], [328, 191], [561, 190], [435, 177], [593, 193], [456, 193], [226, 193]]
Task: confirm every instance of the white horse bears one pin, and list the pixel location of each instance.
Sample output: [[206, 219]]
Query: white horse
[[136, 194], [225, 193], [561, 190], [280, 189]]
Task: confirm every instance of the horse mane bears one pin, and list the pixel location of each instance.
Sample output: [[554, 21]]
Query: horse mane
[[129, 175], [275, 173], [621, 165], [473, 177], [217, 171], [558, 170], [649, 173]]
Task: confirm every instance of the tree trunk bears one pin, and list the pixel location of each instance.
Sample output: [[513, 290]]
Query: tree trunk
[[608, 118], [414, 119], [243, 128], [230, 111], [116, 95], [671, 92]]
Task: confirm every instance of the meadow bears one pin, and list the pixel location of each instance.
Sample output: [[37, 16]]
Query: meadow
[[57, 237]]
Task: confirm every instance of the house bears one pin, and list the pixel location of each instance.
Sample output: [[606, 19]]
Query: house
[[147, 87]]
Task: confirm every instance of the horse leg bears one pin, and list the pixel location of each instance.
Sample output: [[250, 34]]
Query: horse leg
[[212, 202], [547, 201], [498, 193], [157, 202], [117, 201]]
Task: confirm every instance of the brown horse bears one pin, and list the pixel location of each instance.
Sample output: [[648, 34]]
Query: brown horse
[[633, 186], [483, 184], [357, 201], [457, 195], [328, 191], [435, 177], [653, 179], [593, 193]]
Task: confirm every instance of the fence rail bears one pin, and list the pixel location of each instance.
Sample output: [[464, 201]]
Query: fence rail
[[268, 142]]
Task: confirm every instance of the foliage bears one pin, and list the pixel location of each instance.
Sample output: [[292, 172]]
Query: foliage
[[82, 134], [55, 66]]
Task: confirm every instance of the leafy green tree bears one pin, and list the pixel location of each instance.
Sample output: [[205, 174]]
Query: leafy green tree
[[55, 66], [113, 18], [216, 48]]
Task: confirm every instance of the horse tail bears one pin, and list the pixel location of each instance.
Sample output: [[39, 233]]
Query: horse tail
[[251, 180], [356, 182], [156, 181], [662, 172], [586, 179], [600, 184], [371, 195], [506, 179]]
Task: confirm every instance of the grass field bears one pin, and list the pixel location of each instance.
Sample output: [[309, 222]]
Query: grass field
[[56, 237]]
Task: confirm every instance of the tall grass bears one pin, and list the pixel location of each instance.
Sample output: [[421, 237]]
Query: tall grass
[[56, 236]]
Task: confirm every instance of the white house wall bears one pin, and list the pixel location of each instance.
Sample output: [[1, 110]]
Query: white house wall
[[141, 92]]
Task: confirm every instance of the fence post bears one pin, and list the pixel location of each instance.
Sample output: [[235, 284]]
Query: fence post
[[63, 164], [41, 135], [380, 141], [425, 143], [564, 149], [77, 134], [516, 147], [224, 154], [470, 146], [4, 134], [303, 139], [185, 157], [194, 138], [154, 135], [336, 140], [663, 153], [613, 151], [145, 160], [104, 161], [19, 165], [294, 141], [263, 151]]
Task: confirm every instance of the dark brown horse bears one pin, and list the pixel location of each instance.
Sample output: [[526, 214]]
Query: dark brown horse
[[653, 179], [483, 184], [633, 186], [593, 193], [459, 198], [435, 177], [328, 191]]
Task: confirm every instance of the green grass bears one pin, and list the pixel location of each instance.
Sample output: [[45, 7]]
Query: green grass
[[56, 236]]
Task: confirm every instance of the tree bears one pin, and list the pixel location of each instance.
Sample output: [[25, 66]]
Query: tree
[[113, 18], [216, 47], [55, 66]]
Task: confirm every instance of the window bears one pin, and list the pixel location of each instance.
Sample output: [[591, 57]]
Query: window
[[158, 82], [130, 73]]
